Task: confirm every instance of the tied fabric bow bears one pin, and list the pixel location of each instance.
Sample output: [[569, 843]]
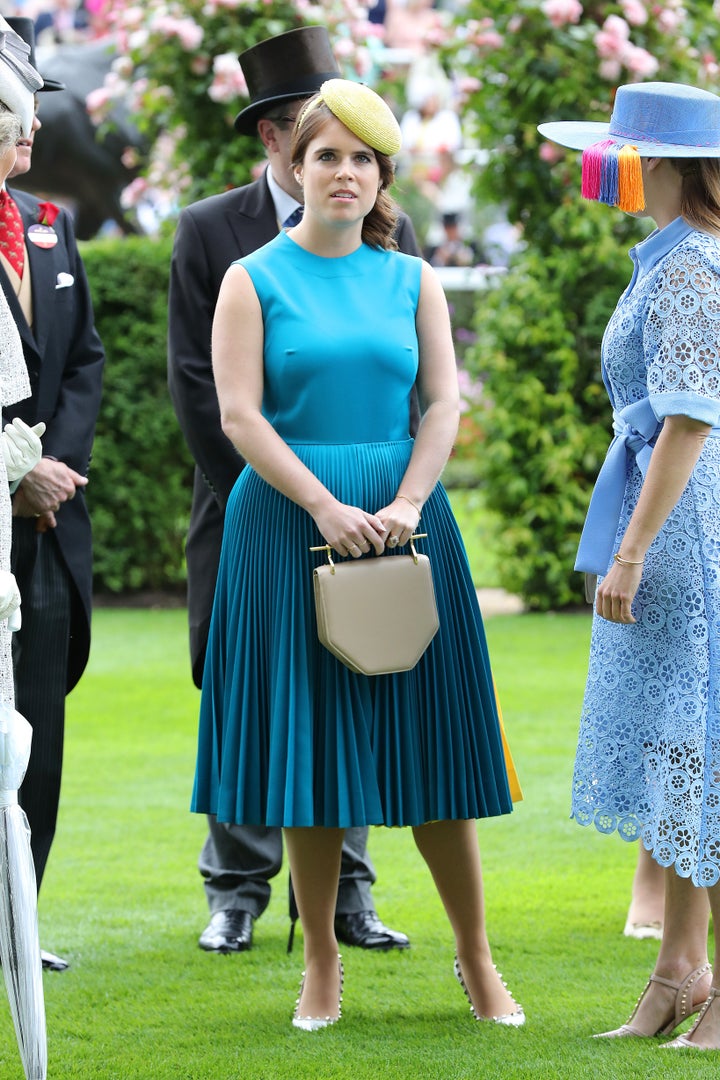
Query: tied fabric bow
[[12, 240], [635, 427]]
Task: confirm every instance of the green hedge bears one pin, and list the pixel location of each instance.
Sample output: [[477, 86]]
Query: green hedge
[[545, 418], [141, 472]]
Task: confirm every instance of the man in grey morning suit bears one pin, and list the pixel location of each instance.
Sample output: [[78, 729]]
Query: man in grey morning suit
[[237, 862]]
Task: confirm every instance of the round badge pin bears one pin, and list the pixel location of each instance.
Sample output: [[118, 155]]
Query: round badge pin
[[44, 236]]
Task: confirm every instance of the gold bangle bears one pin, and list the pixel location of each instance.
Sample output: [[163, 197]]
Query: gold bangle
[[626, 562], [419, 511]]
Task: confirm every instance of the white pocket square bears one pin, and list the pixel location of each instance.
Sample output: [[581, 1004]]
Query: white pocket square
[[64, 281]]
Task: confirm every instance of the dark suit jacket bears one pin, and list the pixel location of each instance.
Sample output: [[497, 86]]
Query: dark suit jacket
[[210, 235], [65, 358]]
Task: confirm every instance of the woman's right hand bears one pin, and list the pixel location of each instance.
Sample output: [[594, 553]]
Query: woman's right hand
[[350, 530]]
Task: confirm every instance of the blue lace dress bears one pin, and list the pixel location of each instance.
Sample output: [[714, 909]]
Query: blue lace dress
[[288, 734], [648, 757]]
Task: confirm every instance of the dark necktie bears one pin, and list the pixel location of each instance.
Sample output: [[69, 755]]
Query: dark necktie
[[294, 219], [12, 242]]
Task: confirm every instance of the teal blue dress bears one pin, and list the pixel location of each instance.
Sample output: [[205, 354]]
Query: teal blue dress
[[288, 735]]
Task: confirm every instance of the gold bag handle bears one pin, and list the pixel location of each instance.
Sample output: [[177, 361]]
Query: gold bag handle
[[328, 549]]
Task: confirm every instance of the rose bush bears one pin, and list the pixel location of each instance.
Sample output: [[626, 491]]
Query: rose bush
[[177, 66]]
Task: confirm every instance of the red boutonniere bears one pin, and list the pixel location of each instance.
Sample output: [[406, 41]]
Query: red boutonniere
[[47, 212]]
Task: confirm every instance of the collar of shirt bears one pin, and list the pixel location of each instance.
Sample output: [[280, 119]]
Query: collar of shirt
[[659, 242], [284, 203]]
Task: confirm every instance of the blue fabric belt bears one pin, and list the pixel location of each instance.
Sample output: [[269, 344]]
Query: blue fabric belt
[[635, 427]]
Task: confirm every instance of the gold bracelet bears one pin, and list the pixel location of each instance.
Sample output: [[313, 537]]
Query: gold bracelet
[[419, 511], [626, 562]]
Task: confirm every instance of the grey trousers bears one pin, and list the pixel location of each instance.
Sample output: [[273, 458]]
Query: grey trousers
[[238, 861]]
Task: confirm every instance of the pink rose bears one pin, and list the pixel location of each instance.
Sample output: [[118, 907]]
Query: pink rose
[[562, 12], [634, 11], [640, 62]]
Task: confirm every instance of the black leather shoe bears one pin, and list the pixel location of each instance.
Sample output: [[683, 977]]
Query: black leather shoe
[[228, 931], [51, 962], [364, 929]]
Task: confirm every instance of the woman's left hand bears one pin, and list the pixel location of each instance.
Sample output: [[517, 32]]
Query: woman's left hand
[[616, 593], [400, 519]]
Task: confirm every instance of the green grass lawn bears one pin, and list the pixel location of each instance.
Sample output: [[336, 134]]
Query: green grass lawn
[[122, 899]]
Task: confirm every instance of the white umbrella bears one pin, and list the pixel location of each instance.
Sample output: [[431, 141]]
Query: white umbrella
[[19, 942]]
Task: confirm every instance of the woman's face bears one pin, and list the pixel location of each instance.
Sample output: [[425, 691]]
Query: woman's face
[[340, 175]]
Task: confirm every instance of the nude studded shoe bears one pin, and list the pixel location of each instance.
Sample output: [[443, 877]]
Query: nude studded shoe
[[513, 1019], [683, 1007], [684, 1042], [316, 1023]]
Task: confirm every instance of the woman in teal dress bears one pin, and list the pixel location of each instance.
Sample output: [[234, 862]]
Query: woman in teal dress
[[318, 340]]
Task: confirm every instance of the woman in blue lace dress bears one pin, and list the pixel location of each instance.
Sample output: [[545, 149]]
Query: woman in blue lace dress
[[318, 340], [648, 757]]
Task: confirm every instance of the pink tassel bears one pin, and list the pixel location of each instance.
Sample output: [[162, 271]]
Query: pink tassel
[[592, 162]]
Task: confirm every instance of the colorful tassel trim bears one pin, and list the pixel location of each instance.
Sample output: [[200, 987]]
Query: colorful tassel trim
[[612, 174]]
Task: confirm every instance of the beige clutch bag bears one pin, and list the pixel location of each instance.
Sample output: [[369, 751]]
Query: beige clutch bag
[[378, 615]]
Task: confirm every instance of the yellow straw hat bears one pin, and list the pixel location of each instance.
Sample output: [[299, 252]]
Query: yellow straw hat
[[362, 111]]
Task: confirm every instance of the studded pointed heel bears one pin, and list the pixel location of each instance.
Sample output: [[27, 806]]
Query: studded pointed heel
[[316, 1023], [684, 1042], [512, 1019], [683, 1007]]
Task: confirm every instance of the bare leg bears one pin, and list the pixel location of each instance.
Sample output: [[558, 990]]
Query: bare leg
[[314, 856], [450, 848], [707, 1032], [683, 949], [647, 904]]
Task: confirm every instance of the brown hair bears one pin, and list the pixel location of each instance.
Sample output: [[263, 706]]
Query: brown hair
[[700, 193], [379, 225]]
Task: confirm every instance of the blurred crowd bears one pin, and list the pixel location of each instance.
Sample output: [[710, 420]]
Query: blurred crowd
[[438, 158], [58, 20]]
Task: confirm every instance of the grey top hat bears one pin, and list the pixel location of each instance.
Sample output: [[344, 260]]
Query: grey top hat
[[19, 80], [284, 68], [25, 28]]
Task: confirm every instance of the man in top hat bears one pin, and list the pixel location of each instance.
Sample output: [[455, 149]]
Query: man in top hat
[[237, 862], [51, 554]]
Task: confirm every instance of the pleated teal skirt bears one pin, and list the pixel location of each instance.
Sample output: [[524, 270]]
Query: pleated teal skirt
[[291, 737]]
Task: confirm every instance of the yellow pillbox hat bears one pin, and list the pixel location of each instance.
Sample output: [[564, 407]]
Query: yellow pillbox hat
[[362, 111]]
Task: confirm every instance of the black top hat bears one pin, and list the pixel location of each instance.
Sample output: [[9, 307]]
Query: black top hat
[[25, 28], [284, 68]]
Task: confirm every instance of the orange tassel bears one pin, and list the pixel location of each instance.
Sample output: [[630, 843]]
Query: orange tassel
[[631, 196]]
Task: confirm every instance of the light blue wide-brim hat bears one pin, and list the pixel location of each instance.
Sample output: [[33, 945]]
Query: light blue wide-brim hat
[[659, 119]]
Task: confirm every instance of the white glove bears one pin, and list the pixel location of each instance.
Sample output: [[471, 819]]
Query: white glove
[[9, 594], [21, 447]]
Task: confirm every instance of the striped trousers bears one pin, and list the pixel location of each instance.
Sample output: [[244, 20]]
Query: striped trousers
[[40, 661]]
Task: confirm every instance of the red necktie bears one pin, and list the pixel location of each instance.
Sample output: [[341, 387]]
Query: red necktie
[[12, 243]]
